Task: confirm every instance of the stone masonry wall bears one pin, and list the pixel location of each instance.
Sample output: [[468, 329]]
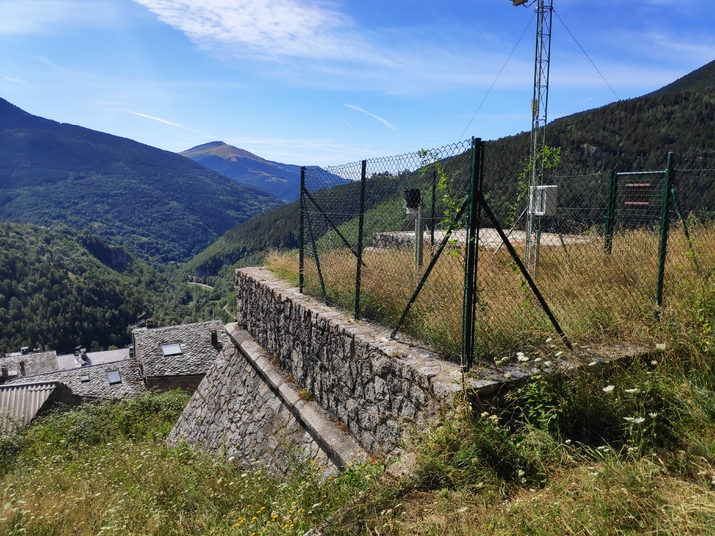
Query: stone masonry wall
[[370, 383], [242, 409]]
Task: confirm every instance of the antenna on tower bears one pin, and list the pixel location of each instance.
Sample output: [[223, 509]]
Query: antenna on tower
[[539, 107]]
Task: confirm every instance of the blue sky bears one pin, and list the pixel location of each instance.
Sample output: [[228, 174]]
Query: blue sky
[[333, 81]]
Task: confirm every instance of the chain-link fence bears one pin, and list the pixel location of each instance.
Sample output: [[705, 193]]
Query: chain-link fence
[[587, 253], [359, 240]]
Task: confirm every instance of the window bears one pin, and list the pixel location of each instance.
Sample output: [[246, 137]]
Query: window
[[172, 348], [114, 377], [84, 378]]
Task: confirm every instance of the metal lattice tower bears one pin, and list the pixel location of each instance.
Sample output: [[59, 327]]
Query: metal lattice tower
[[539, 107]]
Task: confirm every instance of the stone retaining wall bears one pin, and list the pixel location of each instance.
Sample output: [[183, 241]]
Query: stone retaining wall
[[243, 408], [373, 385]]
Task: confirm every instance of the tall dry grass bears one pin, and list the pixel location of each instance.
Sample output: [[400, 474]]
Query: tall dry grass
[[595, 296]]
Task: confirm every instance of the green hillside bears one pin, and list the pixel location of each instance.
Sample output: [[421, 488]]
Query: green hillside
[[157, 204], [60, 288]]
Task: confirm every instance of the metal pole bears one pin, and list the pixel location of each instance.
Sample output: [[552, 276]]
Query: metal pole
[[610, 211], [433, 222], [470, 261], [664, 228], [301, 254], [419, 239], [358, 274]]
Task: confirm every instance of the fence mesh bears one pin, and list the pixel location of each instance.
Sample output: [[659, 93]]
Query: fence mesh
[[390, 264], [605, 240]]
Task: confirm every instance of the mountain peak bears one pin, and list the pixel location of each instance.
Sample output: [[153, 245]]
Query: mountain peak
[[220, 149]]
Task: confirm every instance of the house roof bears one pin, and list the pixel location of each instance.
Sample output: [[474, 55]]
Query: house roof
[[193, 355], [35, 362], [20, 403], [92, 381]]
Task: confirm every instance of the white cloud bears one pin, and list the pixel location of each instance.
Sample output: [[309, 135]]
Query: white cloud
[[157, 119], [264, 28], [383, 121], [52, 16]]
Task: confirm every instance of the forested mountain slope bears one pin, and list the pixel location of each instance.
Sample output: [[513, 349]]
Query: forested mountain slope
[[60, 289], [155, 203]]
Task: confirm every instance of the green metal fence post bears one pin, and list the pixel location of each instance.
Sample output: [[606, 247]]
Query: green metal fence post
[[301, 254], [664, 228], [433, 223], [470, 261], [358, 274], [610, 211]]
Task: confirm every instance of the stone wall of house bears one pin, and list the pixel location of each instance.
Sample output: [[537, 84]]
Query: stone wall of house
[[371, 384], [245, 409]]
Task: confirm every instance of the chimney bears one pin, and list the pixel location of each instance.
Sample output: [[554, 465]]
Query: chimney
[[4, 372], [149, 323], [22, 368], [213, 335]]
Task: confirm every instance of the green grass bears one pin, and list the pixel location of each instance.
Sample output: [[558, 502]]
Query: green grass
[[104, 469]]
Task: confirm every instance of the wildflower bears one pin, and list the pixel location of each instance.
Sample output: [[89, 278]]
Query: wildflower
[[568, 441], [494, 419], [548, 340], [633, 390], [520, 356], [653, 415], [485, 414], [660, 346], [608, 388], [635, 420], [547, 363], [593, 363], [557, 354]]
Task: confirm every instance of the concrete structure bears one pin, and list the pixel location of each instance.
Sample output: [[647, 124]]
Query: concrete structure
[[306, 382], [248, 409], [177, 356]]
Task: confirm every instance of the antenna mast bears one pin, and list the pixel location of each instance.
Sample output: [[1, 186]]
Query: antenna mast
[[539, 106]]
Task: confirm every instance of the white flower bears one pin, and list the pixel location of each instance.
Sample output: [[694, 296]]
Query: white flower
[[660, 346], [548, 340], [557, 354], [521, 357], [635, 420], [608, 388], [653, 415], [634, 390], [593, 363], [547, 363], [537, 360], [485, 414]]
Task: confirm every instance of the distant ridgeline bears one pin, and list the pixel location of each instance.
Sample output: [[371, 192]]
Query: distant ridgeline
[[281, 180], [155, 203], [633, 134]]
